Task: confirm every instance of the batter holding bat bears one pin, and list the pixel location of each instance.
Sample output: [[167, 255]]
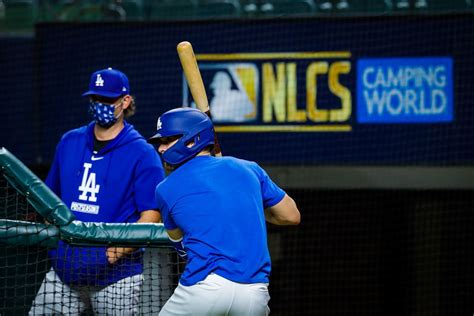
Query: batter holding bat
[[215, 211]]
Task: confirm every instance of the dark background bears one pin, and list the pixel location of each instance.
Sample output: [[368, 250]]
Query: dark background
[[43, 85], [356, 252]]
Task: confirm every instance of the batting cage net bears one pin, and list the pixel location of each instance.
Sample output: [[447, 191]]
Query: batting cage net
[[366, 120], [81, 271]]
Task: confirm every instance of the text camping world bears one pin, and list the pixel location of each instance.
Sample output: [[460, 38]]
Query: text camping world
[[404, 90]]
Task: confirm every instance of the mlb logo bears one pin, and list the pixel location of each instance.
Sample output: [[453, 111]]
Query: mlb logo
[[232, 90]]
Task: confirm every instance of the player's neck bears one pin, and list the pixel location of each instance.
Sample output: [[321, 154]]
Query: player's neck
[[204, 153], [103, 133]]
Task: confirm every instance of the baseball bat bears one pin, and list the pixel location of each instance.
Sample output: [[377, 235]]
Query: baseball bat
[[195, 83]]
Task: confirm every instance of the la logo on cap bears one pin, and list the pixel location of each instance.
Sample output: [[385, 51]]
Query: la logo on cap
[[99, 82]]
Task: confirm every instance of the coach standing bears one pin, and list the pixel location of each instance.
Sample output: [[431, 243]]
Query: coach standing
[[214, 210], [104, 172]]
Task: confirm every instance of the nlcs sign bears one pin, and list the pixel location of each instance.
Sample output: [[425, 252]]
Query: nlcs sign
[[294, 92]]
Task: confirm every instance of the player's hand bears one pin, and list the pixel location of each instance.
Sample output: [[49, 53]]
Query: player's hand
[[114, 254]]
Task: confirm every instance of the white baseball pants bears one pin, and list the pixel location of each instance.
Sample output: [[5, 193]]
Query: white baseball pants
[[216, 295], [54, 297]]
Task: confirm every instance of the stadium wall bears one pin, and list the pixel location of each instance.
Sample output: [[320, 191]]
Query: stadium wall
[[386, 199], [47, 74]]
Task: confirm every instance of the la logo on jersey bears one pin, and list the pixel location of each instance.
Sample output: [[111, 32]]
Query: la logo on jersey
[[88, 189], [99, 82], [88, 185]]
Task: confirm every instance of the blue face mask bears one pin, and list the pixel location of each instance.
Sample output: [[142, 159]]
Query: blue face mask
[[103, 114]]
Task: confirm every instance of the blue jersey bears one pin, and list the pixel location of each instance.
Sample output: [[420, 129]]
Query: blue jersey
[[111, 186], [219, 204]]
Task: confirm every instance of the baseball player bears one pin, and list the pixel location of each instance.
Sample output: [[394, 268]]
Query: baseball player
[[214, 210], [104, 172]]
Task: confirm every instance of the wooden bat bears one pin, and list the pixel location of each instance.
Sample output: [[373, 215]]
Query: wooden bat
[[195, 83]]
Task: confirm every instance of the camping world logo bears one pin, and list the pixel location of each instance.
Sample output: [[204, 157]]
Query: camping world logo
[[277, 92]]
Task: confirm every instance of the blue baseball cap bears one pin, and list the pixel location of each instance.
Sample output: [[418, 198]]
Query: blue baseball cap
[[109, 83]]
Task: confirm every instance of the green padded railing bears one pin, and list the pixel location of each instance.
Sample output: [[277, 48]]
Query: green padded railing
[[28, 234], [43, 200], [63, 226], [13, 232], [135, 234]]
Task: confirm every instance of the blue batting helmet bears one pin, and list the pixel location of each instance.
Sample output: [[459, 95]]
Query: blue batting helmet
[[192, 125]]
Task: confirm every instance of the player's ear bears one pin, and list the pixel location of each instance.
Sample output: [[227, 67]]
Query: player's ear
[[126, 100], [190, 144]]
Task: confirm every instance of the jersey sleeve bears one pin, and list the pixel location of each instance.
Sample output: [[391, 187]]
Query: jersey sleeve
[[164, 209], [149, 172], [53, 178], [271, 192]]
